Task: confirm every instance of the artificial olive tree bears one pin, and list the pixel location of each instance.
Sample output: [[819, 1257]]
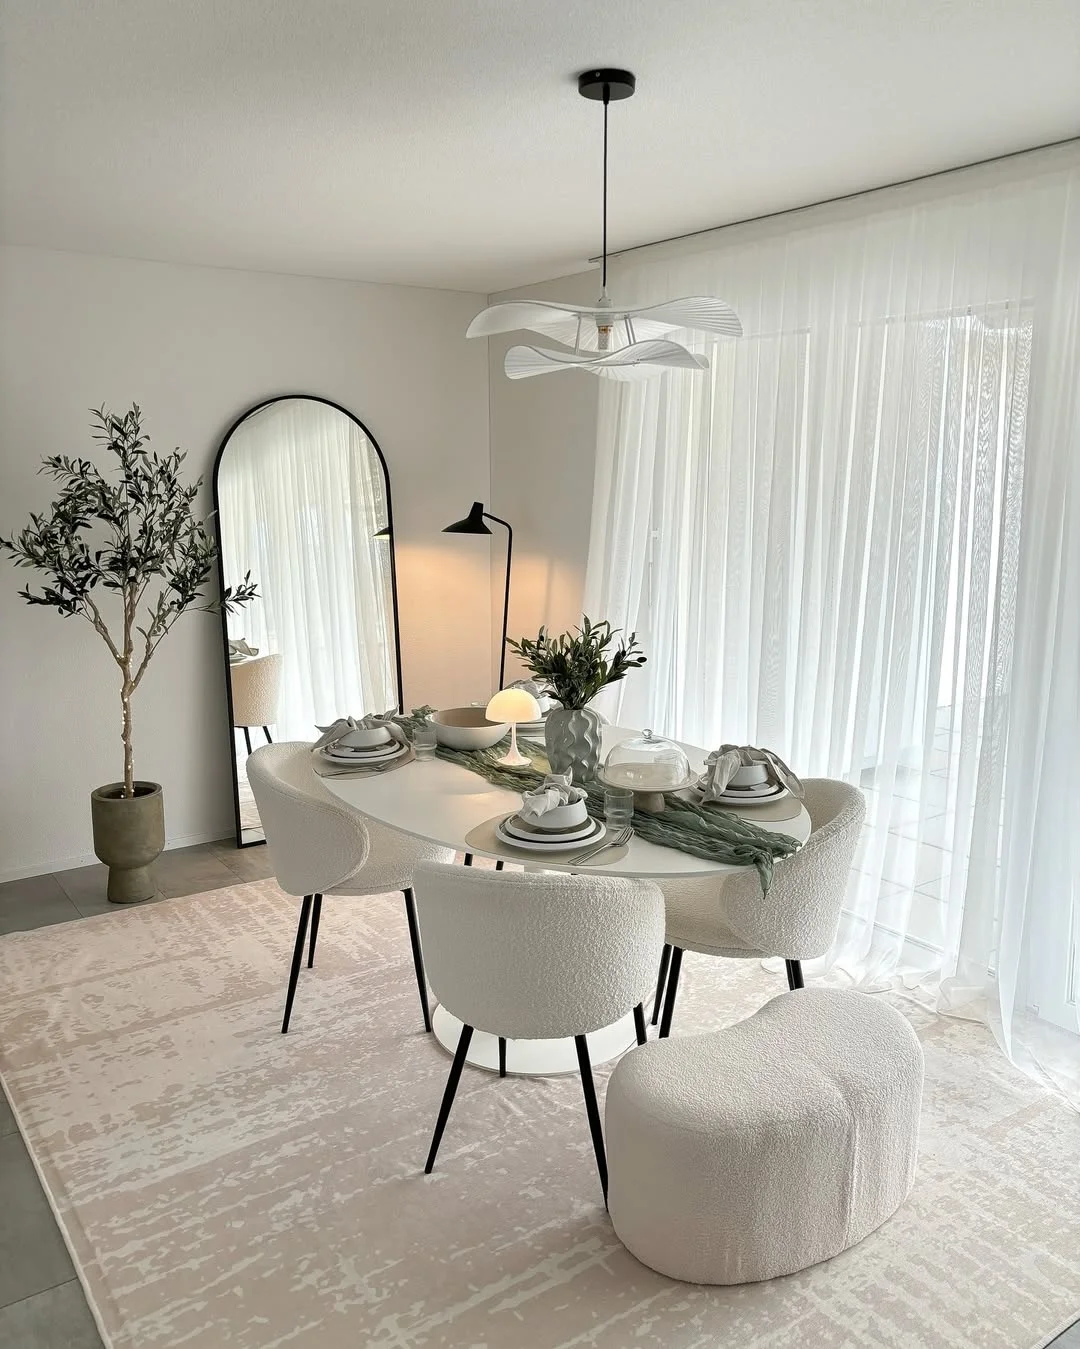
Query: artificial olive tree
[[123, 550]]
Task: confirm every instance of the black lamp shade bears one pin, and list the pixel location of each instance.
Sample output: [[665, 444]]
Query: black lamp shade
[[473, 523]]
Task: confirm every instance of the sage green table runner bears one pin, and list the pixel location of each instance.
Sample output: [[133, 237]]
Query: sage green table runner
[[703, 831]]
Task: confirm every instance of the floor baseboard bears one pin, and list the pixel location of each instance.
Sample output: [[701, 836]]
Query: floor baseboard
[[88, 859]]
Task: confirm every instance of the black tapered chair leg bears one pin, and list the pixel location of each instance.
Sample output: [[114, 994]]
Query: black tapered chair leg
[[468, 859], [448, 1095], [499, 865], [661, 980], [316, 914], [639, 1024], [502, 1055], [592, 1109], [794, 974], [417, 956], [247, 737], [298, 955], [672, 991], [269, 738]]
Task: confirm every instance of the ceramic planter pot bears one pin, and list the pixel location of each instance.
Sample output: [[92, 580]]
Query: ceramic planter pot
[[129, 834], [572, 741]]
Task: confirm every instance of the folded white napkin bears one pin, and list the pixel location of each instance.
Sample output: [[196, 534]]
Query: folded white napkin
[[723, 763], [332, 734], [557, 789]]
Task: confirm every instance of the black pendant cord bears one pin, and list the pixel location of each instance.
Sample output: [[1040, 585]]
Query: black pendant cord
[[603, 273]]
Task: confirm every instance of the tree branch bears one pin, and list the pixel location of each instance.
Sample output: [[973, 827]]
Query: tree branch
[[99, 625]]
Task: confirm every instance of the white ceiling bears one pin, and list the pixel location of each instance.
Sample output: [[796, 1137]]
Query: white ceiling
[[442, 142]]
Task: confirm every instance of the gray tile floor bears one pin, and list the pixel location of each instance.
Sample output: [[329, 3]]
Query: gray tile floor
[[41, 1301]]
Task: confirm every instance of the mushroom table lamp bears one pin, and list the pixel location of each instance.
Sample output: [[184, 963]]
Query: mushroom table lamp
[[513, 705]]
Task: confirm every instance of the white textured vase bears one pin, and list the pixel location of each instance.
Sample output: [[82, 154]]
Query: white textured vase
[[572, 741]]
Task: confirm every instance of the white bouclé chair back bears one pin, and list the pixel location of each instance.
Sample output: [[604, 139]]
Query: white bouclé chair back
[[315, 841], [256, 689], [538, 955], [798, 917]]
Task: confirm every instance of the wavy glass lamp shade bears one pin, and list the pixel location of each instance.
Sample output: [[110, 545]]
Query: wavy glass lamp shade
[[636, 361], [579, 326], [614, 343]]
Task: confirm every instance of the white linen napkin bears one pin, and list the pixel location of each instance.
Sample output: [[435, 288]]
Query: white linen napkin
[[723, 763], [557, 789], [332, 734]]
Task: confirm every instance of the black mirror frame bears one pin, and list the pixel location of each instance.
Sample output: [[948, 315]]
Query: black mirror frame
[[250, 412]]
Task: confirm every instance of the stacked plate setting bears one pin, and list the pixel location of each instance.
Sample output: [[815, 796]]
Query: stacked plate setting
[[531, 836], [751, 795], [363, 756]]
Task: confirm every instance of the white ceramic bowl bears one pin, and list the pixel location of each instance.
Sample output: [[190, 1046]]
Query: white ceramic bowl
[[366, 739], [750, 775], [467, 728], [562, 817]]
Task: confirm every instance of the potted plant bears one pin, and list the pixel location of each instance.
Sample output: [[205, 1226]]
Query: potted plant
[[128, 544], [573, 668]]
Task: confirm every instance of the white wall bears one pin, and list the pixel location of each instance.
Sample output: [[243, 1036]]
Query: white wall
[[543, 453], [194, 347]]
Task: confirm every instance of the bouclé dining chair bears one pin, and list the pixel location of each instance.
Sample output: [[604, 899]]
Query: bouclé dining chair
[[256, 686], [798, 917], [319, 847], [538, 956]]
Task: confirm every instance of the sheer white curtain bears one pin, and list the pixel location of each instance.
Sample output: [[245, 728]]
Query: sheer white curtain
[[857, 541], [301, 497]]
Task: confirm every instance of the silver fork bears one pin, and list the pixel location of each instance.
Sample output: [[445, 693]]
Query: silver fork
[[624, 837]]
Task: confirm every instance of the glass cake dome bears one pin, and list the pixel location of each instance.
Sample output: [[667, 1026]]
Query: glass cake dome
[[646, 763]]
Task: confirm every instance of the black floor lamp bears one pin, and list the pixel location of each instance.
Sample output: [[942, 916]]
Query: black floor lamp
[[473, 523]]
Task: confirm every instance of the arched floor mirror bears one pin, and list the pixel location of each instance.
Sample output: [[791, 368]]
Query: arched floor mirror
[[302, 502]]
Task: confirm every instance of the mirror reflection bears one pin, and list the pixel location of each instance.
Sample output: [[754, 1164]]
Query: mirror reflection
[[303, 504]]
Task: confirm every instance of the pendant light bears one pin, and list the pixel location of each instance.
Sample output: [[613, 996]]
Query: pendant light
[[604, 338]]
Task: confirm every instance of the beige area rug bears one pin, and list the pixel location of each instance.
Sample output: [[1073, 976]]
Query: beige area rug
[[223, 1185]]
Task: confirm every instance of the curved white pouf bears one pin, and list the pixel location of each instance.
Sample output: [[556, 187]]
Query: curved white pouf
[[755, 1151]]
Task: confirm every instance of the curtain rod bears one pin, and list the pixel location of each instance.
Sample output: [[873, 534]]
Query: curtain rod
[[844, 196]]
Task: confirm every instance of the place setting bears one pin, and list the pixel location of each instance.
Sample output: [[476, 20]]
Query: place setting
[[747, 779], [553, 821], [354, 747]]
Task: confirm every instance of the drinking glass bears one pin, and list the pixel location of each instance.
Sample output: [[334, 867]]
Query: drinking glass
[[618, 807], [424, 741]]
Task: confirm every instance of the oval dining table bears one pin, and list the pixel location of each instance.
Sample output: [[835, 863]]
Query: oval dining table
[[443, 803]]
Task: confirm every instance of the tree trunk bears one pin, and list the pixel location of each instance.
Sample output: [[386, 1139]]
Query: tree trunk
[[125, 734]]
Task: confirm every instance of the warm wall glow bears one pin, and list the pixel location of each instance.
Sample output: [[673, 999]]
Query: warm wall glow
[[446, 633]]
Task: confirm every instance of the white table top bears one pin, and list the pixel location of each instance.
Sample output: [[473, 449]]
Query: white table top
[[440, 802]]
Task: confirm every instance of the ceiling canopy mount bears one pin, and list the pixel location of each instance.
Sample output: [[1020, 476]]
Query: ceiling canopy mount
[[606, 85]]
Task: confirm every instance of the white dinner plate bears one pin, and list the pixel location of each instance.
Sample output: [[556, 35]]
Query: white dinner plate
[[346, 754], [511, 825], [515, 842], [737, 798]]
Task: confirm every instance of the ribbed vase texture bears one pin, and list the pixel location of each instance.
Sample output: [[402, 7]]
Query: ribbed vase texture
[[572, 741]]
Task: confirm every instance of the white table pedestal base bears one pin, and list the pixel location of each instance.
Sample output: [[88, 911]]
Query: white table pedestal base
[[533, 1058]]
